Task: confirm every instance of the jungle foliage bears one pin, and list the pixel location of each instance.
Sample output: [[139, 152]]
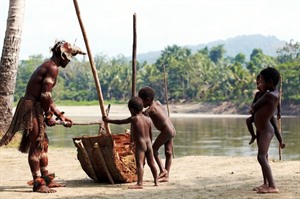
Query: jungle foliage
[[205, 75]]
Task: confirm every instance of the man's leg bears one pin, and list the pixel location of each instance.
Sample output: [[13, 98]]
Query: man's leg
[[34, 158]]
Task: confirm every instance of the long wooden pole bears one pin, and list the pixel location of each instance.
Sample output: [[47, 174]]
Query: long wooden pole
[[80, 123], [133, 91], [279, 119], [167, 98], [94, 71], [166, 89]]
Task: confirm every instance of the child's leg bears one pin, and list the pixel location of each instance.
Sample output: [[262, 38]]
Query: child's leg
[[168, 154], [151, 163], [265, 182], [139, 159], [249, 122], [159, 141], [262, 157]]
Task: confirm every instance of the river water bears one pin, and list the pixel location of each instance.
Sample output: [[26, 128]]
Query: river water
[[209, 136]]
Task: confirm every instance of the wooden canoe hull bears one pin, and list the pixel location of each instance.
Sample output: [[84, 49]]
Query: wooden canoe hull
[[107, 157]]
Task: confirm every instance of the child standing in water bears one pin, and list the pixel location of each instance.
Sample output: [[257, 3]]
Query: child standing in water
[[263, 111], [142, 138], [162, 122]]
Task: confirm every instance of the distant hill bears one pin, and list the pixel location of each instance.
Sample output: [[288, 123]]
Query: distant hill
[[240, 44]]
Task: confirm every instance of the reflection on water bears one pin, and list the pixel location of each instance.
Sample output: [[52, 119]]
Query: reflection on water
[[199, 136]]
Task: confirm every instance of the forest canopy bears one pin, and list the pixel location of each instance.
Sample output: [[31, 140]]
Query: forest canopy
[[205, 75]]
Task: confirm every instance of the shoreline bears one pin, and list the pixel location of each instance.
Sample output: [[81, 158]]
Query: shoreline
[[121, 110]]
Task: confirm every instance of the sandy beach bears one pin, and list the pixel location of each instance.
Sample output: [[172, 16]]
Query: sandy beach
[[191, 176]]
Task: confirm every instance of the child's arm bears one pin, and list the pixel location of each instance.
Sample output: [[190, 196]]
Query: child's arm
[[256, 97], [260, 102], [278, 111], [253, 102], [277, 133], [124, 121], [150, 133]]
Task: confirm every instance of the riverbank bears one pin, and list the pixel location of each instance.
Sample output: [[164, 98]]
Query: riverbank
[[225, 109], [191, 177]]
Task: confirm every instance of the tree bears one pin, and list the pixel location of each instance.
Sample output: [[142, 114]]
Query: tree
[[216, 53], [258, 61], [240, 58], [176, 60], [289, 52], [9, 60], [25, 69]]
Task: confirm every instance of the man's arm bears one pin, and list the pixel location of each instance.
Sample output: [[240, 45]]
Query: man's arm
[[47, 102], [46, 94], [46, 99]]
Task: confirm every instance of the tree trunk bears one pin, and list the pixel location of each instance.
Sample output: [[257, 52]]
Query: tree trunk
[[9, 60]]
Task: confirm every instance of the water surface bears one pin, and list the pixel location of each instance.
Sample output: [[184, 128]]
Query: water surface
[[199, 136]]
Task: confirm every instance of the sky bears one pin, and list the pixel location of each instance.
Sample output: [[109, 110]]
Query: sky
[[109, 23]]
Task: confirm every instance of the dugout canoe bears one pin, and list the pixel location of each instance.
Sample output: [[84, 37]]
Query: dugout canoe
[[107, 158]]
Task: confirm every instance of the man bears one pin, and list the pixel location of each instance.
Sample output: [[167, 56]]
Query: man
[[36, 109]]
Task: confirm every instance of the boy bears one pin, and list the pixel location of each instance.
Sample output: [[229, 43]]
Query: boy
[[142, 138], [250, 119], [263, 111], [162, 122]]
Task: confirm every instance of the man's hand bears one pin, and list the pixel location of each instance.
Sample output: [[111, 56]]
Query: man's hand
[[67, 121], [50, 122]]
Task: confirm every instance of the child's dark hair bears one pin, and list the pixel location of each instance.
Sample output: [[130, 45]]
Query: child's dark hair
[[270, 74], [146, 92], [258, 77], [136, 104]]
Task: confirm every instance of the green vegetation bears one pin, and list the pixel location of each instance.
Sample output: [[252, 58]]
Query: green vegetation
[[205, 75]]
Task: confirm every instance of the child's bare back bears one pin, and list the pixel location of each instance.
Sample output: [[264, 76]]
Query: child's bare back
[[160, 118], [141, 132]]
